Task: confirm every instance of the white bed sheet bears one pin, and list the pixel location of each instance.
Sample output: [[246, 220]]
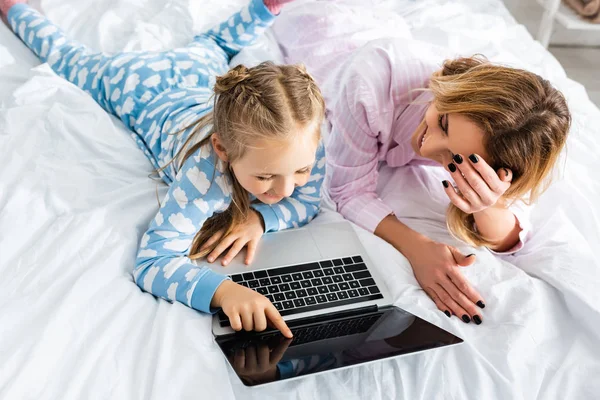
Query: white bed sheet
[[75, 198]]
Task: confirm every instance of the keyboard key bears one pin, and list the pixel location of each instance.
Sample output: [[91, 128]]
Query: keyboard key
[[331, 297], [260, 274], [367, 282], [353, 293], [333, 288], [321, 298], [292, 269], [337, 278], [312, 291], [316, 282], [347, 277], [295, 285], [347, 260], [363, 291], [374, 290], [276, 280], [278, 306], [354, 268], [288, 304], [328, 271], [286, 278], [264, 282], [310, 301], [244, 284], [290, 295], [326, 263], [338, 262], [338, 270], [342, 295], [253, 284], [248, 276], [307, 275], [237, 278], [299, 303], [357, 259], [284, 287], [262, 290], [301, 293], [362, 274], [279, 297], [323, 290], [344, 286], [306, 284], [270, 297], [297, 276], [318, 273], [327, 280], [354, 284], [273, 289]]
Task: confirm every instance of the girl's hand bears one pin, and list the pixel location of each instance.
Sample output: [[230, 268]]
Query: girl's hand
[[479, 186], [248, 309], [6, 5], [437, 269], [247, 234]]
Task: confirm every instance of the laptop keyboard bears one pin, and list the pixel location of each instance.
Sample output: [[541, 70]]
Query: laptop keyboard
[[308, 334], [313, 286]]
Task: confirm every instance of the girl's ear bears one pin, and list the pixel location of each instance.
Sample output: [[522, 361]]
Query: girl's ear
[[218, 147]]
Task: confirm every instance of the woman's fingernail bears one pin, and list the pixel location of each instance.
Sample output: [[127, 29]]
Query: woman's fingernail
[[470, 255], [466, 318], [477, 319], [480, 304], [457, 159], [452, 167], [447, 313], [505, 172], [473, 158], [445, 183]]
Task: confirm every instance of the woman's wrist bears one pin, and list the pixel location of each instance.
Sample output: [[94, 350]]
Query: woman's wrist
[[403, 238]]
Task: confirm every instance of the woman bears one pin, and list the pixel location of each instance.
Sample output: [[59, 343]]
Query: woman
[[498, 131]]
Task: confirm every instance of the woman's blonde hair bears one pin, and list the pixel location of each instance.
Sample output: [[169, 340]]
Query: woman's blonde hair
[[525, 121], [265, 102]]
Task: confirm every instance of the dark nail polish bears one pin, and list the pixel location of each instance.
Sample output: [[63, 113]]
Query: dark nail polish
[[470, 255], [457, 159], [477, 319], [480, 304], [505, 171], [445, 183], [452, 167], [473, 158], [447, 313], [466, 318]]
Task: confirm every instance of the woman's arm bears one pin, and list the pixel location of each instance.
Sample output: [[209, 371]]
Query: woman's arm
[[499, 225]]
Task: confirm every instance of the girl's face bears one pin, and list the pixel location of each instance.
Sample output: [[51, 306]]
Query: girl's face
[[271, 170], [445, 135]]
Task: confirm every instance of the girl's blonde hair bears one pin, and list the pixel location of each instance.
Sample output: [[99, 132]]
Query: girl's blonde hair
[[525, 120], [265, 102]]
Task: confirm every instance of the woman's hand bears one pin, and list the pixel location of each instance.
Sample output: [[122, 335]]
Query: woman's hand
[[479, 186], [247, 309], [437, 269], [246, 234]]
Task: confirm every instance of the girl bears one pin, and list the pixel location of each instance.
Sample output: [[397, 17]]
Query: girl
[[498, 131], [250, 162]]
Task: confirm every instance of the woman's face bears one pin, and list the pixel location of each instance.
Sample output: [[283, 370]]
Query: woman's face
[[446, 135]]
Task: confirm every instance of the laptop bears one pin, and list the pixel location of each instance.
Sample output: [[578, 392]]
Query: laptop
[[338, 307]]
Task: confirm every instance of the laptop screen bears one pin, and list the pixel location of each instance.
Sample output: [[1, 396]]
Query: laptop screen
[[327, 343]]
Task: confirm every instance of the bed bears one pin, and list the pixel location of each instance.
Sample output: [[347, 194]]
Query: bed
[[75, 198]]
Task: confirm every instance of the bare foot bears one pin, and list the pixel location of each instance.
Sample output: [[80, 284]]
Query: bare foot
[[5, 5]]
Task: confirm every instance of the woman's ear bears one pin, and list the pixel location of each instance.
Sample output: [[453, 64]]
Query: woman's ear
[[218, 147]]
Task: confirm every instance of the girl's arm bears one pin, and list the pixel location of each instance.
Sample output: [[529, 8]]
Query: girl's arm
[[302, 206], [163, 267]]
